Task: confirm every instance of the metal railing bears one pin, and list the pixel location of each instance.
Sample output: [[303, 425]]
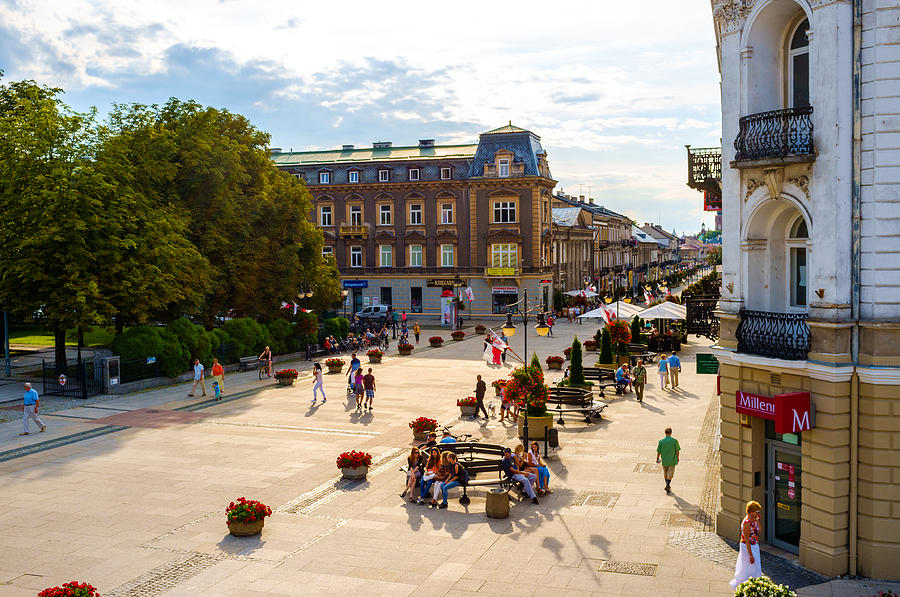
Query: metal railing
[[775, 134], [704, 167], [774, 335], [346, 231]]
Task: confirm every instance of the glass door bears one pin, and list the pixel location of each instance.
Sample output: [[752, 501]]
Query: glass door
[[784, 496]]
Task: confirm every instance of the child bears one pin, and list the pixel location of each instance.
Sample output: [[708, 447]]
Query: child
[[217, 390]]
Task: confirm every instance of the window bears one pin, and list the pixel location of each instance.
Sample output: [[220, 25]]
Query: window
[[414, 174], [504, 212], [353, 176], [446, 255], [384, 215], [384, 176], [505, 255], [356, 215], [327, 251], [415, 299], [446, 213], [446, 173], [355, 256], [300, 177], [325, 215], [385, 256], [798, 235], [324, 177], [415, 214], [415, 256], [798, 67], [503, 168], [387, 295]]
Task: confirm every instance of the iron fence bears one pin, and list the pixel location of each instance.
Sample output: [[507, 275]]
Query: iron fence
[[774, 335], [71, 381], [775, 134], [701, 319]]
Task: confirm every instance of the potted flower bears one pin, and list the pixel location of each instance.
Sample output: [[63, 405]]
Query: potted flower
[[480, 329], [763, 586], [498, 385], [466, 406], [73, 588], [568, 353], [354, 465], [527, 388], [405, 348], [436, 341], [620, 336], [334, 365], [246, 517], [554, 362], [422, 427], [374, 355], [286, 377], [458, 335], [590, 345]]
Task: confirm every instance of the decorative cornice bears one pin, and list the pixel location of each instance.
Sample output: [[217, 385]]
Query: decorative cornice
[[731, 14], [879, 376], [752, 185], [802, 183]]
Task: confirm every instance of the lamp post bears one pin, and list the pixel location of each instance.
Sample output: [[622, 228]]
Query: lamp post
[[509, 329], [344, 294]]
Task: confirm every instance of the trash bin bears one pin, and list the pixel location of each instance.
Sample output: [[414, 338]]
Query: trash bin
[[497, 505], [553, 438]]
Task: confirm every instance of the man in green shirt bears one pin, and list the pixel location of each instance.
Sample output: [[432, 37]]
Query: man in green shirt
[[667, 450]]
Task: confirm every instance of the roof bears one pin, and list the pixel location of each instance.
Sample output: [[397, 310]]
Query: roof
[[566, 216], [508, 128], [594, 209], [524, 145], [641, 236], [370, 154]]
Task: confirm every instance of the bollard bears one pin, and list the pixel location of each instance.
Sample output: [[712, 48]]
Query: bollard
[[497, 505]]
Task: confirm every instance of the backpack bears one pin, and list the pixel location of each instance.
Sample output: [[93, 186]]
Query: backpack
[[463, 475]]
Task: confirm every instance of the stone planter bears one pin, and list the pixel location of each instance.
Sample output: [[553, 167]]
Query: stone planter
[[404, 352], [467, 411], [246, 529], [554, 365], [375, 360], [286, 381], [335, 368], [359, 472], [535, 425], [420, 436], [458, 338], [593, 349], [497, 504], [436, 344], [480, 331]]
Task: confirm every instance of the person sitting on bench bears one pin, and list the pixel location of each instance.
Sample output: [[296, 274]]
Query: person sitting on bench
[[623, 380], [510, 467]]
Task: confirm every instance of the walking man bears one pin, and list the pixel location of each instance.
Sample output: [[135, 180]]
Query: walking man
[[639, 378], [667, 451], [198, 378], [369, 385], [480, 389], [218, 373], [30, 411], [674, 369]]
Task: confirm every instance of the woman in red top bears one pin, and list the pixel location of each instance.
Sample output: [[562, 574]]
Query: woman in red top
[[218, 373], [748, 565]]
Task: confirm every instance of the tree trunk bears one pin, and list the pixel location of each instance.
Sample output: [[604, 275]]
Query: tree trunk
[[59, 334], [120, 325]]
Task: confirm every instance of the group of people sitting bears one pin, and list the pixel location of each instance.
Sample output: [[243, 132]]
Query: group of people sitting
[[441, 471]]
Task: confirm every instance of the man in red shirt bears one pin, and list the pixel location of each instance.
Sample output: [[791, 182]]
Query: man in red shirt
[[369, 385]]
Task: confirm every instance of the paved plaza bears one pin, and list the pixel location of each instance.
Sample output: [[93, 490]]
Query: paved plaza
[[129, 494]]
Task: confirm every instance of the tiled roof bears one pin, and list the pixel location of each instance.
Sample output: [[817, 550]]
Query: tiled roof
[[508, 128], [566, 216], [369, 154], [594, 209], [524, 145]]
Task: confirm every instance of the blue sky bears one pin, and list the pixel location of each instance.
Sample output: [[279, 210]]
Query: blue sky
[[614, 89]]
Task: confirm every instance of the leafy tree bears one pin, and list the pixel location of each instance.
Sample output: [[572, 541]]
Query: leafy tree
[[714, 257], [144, 341], [606, 354], [281, 336], [576, 370]]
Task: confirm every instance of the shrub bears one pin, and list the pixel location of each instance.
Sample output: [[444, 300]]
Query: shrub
[[606, 354], [535, 361], [281, 336], [576, 371], [145, 341], [423, 425], [555, 359], [218, 337], [247, 336], [468, 401], [244, 510], [287, 374], [70, 589], [338, 327], [763, 587], [193, 339], [458, 335], [636, 325], [354, 459]]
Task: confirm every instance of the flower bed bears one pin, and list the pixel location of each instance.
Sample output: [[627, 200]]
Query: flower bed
[[287, 374], [354, 459], [763, 587], [436, 341], [246, 511], [72, 588], [423, 425], [375, 353], [458, 335], [469, 401]]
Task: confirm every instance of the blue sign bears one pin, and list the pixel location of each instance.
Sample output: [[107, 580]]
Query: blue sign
[[355, 283]]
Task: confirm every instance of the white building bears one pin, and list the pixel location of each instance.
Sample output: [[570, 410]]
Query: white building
[[811, 276]]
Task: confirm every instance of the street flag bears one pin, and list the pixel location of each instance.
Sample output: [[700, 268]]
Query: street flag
[[607, 313], [647, 297], [284, 305], [295, 308], [470, 295]]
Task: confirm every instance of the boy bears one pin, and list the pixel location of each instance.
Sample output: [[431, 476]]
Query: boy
[[217, 390]]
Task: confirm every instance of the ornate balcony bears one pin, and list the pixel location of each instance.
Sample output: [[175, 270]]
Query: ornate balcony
[[783, 136], [346, 231], [705, 169], [774, 335]]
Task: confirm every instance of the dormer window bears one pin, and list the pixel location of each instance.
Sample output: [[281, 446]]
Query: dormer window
[[353, 176], [446, 173], [503, 168], [324, 177], [384, 175], [414, 174]]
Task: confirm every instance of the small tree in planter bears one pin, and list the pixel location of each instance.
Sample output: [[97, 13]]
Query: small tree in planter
[[576, 371], [606, 354], [404, 348], [374, 355], [354, 465], [555, 362], [73, 588], [458, 335], [636, 325], [535, 361], [480, 329], [246, 517], [436, 341], [422, 427]]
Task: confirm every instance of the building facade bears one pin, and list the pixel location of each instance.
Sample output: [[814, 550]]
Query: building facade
[[405, 224], [573, 237], [810, 312]]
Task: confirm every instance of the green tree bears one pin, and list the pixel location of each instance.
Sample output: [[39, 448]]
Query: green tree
[[576, 370], [606, 354], [636, 326], [535, 361]]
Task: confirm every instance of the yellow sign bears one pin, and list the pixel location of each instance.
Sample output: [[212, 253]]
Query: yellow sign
[[783, 506], [501, 271]]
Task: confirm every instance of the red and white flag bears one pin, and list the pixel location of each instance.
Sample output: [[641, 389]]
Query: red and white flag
[[285, 305], [608, 315]]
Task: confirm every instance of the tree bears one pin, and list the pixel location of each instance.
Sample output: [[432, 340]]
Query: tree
[[715, 256], [576, 370], [636, 326], [606, 355], [535, 361]]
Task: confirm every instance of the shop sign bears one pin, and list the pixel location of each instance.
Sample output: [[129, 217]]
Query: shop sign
[[355, 283], [445, 282], [546, 281], [501, 271], [707, 364], [791, 412], [505, 290]]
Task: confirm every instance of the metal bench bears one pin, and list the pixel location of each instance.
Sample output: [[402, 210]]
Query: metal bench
[[566, 400], [248, 363]]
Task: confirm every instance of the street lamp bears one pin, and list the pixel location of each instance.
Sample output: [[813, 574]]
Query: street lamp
[[344, 294]]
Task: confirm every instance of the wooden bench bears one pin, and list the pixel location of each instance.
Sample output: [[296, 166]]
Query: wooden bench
[[248, 363], [481, 461], [313, 350], [575, 400]]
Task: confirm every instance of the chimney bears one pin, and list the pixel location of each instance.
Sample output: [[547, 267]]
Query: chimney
[[426, 142], [591, 200], [581, 198], [346, 147], [381, 145]]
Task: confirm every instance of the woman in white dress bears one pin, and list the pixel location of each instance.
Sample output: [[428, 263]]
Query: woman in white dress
[[748, 565]]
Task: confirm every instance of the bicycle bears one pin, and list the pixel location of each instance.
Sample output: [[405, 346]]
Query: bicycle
[[267, 370]]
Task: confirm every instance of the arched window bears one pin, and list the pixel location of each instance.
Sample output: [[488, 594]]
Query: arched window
[[798, 66], [799, 234]]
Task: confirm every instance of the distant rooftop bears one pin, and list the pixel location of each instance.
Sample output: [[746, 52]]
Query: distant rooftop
[[508, 128], [381, 153]]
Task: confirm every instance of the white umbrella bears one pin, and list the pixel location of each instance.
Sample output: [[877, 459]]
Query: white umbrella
[[625, 310], [585, 293], [665, 310]]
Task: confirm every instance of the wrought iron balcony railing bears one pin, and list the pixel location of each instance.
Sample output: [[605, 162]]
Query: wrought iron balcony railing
[[774, 335], [353, 231], [775, 134], [705, 169]]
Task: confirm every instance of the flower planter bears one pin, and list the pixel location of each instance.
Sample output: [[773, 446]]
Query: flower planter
[[467, 411], [591, 348], [404, 352], [554, 365], [359, 472], [436, 344], [335, 368], [480, 331], [285, 381], [374, 359], [246, 529], [535, 425], [420, 436], [612, 366], [458, 338]]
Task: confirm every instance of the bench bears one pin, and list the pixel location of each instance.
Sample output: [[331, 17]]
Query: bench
[[575, 400], [313, 350], [248, 363], [481, 461]]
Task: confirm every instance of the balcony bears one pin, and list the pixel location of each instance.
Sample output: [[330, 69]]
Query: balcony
[[779, 137], [774, 335], [603, 243], [705, 169], [347, 231], [629, 242]]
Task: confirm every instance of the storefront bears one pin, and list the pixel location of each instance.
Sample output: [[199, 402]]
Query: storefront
[[355, 296], [502, 297]]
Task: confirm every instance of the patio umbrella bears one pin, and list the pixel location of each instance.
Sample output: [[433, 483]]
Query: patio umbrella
[[584, 293], [626, 310], [665, 310]]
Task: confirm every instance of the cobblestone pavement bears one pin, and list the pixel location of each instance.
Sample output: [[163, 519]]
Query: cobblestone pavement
[[144, 498]]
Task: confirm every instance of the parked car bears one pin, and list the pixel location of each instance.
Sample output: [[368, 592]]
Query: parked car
[[376, 314]]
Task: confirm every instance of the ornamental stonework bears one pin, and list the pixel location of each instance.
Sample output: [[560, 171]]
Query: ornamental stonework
[[731, 14]]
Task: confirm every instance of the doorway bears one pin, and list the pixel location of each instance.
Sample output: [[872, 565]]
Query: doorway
[[784, 495], [357, 300]]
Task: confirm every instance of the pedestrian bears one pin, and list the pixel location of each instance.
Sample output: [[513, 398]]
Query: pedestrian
[[369, 384], [403, 318], [667, 452], [217, 390], [32, 401], [663, 373], [218, 373], [480, 389], [748, 563], [354, 365], [358, 388], [416, 331], [198, 378], [674, 369], [639, 378], [395, 323], [550, 323], [506, 344], [318, 384]]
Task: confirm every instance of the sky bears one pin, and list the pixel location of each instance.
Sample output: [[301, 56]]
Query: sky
[[614, 89]]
